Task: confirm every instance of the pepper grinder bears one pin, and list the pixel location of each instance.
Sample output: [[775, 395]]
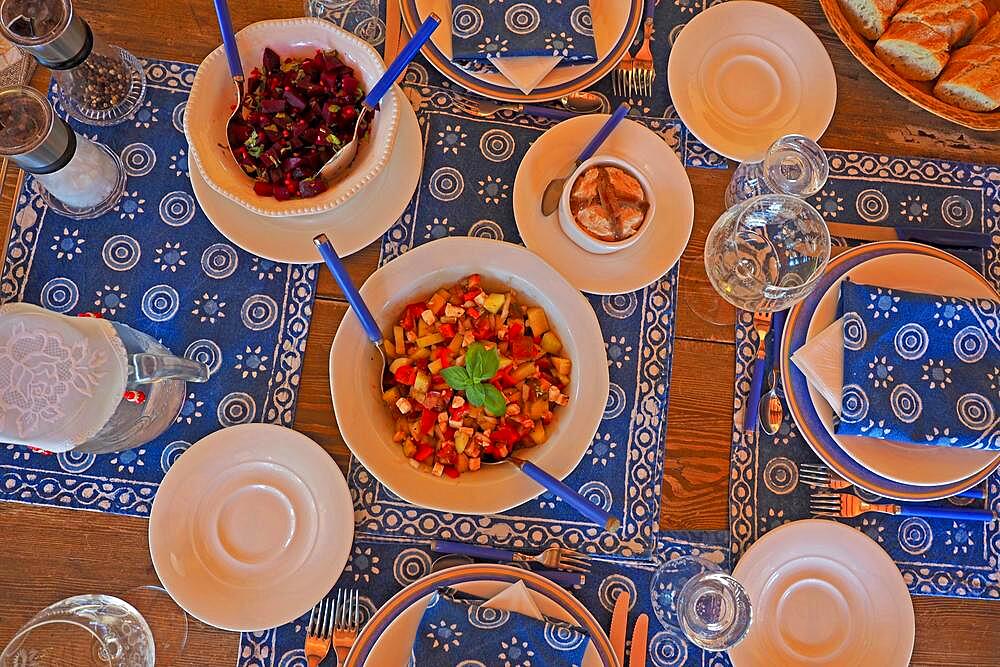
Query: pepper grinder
[[98, 83], [79, 178]]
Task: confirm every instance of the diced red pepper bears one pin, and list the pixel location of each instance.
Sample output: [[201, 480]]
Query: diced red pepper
[[457, 413], [447, 330], [471, 294], [446, 454], [408, 320], [447, 432], [491, 451], [406, 374], [424, 452], [415, 309], [544, 362], [474, 280], [521, 347], [443, 355], [421, 363], [503, 378], [504, 434], [484, 329], [473, 313], [427, 420], [515, 330], [537, 339], [451, 471]]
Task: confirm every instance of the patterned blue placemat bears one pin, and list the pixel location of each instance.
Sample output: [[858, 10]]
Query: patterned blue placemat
[[156, 263], [380, 568], [936, 556], [469, 169]]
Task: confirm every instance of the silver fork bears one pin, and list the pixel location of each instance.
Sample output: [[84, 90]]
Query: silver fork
[[819, 476], [643, 72], [553, 558], [347, 624], [319, 632], [484, 108]]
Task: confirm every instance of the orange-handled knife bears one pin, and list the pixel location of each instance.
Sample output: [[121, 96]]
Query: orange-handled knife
[[619, 621], [637, 654]]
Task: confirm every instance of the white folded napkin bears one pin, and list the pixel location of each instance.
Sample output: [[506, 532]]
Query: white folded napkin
[[526, 72], [515, 598], [821, 360]]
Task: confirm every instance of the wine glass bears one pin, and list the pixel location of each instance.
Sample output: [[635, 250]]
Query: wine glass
[[710, 607], [793, 165], [86, 631], [767, 253]]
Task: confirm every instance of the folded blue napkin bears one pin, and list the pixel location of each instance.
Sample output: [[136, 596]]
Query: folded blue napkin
[[482, 29], [920, 368], [456, 629]]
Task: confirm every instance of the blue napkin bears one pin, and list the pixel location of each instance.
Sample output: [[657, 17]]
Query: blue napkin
[[920, 368], [483, 29], [457, 630]]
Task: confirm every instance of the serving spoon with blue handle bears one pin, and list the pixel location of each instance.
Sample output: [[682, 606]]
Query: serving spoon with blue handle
[[353, 296], [235, 68], [345, 156]]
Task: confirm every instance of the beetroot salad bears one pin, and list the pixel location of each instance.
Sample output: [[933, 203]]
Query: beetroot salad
[[298, 114]]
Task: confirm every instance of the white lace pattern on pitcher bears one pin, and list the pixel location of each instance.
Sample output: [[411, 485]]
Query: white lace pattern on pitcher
[[61, 378]]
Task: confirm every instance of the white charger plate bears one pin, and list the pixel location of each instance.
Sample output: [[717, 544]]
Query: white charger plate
[[743, 73], [632, 268], [920, 465], [387, 638], [251, 527], [366, 423], [351, 226], [823, 594]]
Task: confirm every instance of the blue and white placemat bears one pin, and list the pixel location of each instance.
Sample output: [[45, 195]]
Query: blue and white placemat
[[466, 189], [156, 263], [380, 568], [565, 29], [936, 556]]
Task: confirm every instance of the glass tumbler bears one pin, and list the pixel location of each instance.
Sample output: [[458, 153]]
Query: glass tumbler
[[710, 607], [83, 631], [793, 165]]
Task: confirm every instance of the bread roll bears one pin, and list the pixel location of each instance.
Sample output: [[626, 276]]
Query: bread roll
[[869, 17], [971, 79], [990, 33]]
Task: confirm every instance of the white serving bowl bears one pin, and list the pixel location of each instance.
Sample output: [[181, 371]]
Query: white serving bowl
[[367, 424], [213, 95], [576, 233]]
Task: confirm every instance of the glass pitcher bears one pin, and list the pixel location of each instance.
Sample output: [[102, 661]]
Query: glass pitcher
[[85, 383]]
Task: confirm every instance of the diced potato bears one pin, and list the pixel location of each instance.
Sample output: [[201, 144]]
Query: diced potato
[[562, 366], [399, 339], [409, 448], [461, 440], [438, 301], [537, 320], [391, 395], [494, 302], [551, 343], [430, 339], [538, 435], [563, 379], [505, 362], [390, 348], [462, 463], [398, 363], [475, 463], [404, 406], [438, 469], [456, 343], [524, 371], [422, 383], [421, 353], [435, 366], [538, 408], [453, 311]]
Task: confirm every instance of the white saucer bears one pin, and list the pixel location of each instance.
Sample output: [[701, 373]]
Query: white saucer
[[823, 594], [251, 527], [553, 154], [743, 73], [351, 227], [920, 465]]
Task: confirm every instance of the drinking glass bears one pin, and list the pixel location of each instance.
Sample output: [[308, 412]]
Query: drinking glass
[[767, 253], [793, 165], [83, 631], [710, 607]]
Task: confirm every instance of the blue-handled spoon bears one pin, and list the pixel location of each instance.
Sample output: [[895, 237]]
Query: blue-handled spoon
[[235, 68], [345, 156], [553, 191], [588, 509], [343, 278]]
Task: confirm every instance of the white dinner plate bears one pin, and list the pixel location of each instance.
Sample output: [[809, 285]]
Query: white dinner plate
[[553, 154], [920, 465], [615, 22], [823, 594], [251, 527], [387, 639], [351, 226], [743, 73], [366, 422]]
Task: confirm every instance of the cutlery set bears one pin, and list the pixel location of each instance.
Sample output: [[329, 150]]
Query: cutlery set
[[634, 75], [619, 629], [333, 624]]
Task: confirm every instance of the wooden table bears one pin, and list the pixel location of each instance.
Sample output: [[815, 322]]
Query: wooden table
[[47, 553]]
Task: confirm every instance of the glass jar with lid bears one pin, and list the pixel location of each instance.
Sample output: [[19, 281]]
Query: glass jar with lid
[[79, 178], [98, 83]]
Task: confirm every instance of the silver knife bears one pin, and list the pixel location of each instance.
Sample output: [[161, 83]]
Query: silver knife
[[955, 238]]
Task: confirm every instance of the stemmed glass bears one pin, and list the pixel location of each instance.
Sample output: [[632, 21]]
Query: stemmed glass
[[710, 607], [793, 165]]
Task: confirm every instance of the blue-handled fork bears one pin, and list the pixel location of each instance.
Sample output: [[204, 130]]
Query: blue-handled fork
[[848, 506]]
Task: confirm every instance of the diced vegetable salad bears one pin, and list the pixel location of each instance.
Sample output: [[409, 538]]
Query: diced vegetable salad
[[475, 376], [297, 115]]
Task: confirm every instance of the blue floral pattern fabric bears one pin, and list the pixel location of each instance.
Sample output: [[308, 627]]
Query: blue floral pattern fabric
[[920, 368], [456, 628], [483, 29], [938, 557], [156, 263]]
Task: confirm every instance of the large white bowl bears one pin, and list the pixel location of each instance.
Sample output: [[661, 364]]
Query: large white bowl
[[213, 96], [368, 426]]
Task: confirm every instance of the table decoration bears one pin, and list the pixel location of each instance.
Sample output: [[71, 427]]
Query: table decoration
[[380, 567], [942, 557], [155, 262]]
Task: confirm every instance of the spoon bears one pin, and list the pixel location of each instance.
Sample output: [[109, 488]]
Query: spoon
[[584, 101], [235, 68], [553, 191], [588, 509], [771, 410], [353, 296], [345, 156]]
